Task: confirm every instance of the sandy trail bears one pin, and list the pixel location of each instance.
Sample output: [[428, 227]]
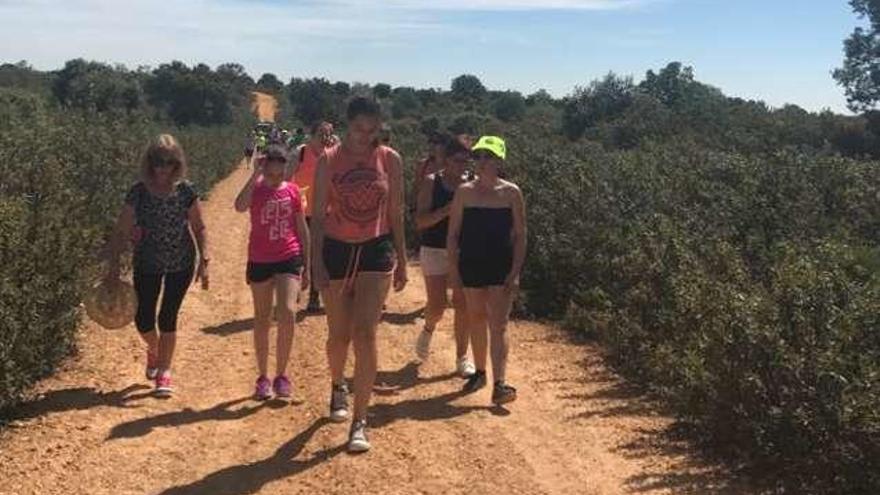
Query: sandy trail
[[94, 428]]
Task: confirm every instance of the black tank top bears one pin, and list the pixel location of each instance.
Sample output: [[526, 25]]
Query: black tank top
[[435, 236], [486, 234]]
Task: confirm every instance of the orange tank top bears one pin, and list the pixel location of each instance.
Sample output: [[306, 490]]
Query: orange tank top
[[357, 196], [305, 176]]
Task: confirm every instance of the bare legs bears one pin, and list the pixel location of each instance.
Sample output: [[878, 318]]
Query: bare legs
[[353, 318], [286, 287], [436, 289], [488, 313]]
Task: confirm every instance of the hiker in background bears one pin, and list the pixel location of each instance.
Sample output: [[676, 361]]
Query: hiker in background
[[487, 247], [159, 213], [303, 174], [359, 251], [297, 138], [432, 220], [278, 251]]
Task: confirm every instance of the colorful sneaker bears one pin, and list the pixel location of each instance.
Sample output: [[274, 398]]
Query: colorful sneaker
[[464, 367], [475, 382], [503, 393], [423, 345], [339, 403], [263, 389], [152, 370], [163, 384], [357, 437], [281, 386]]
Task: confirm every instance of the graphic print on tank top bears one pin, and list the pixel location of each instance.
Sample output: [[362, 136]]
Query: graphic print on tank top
[[361, 192], [276, 214]]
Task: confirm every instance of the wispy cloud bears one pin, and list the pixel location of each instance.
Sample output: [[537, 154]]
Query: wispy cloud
[[502, 5]]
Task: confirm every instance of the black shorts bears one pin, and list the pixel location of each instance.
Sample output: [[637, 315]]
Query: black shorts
[[376, 255], [260, 272], [480, 273]]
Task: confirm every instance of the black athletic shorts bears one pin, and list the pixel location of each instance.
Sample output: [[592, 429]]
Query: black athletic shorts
[[376, 255], [260, 272], [480, 273]]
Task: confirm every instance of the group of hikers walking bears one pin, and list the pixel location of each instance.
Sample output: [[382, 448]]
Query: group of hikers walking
[[328, 218]]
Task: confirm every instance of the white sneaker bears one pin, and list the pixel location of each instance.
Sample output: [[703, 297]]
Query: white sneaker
[[465, 368], [357, 437], [423, 344]]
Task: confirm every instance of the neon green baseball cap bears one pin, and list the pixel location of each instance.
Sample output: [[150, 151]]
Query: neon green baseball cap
[[494, 144]]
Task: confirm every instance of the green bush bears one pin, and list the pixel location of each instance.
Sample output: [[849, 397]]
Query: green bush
[[742, 289]]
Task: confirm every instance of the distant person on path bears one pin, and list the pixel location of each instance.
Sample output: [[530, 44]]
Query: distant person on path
[[432, 220], [297, 139], [359, 248], [303, 174], [278, 251], [161, 216], [487, 247]]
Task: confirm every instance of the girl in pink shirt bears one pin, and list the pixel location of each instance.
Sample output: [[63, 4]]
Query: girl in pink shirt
[[277, 251]]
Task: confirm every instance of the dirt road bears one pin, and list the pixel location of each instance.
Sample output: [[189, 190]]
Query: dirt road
[[94, 428]]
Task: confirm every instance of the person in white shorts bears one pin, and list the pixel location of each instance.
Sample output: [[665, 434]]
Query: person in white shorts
[[432, 220]]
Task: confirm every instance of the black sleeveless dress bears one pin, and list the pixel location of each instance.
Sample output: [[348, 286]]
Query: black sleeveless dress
[[485, 254]]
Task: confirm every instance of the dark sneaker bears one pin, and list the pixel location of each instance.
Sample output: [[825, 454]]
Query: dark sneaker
[[339, 403], [503, 393], [475, 382]]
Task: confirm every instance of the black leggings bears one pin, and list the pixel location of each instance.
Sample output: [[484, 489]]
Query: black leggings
[[147, 286]]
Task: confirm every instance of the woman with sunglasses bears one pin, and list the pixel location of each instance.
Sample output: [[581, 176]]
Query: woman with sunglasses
[[161, 216], [359, 250], [487, 248], [432, 219], [277, 252], [303, 174]]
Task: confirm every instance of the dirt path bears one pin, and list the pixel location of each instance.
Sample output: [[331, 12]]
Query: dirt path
[[95, 429]]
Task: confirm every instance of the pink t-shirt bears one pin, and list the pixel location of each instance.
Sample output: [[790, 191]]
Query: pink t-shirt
[[273, 223]]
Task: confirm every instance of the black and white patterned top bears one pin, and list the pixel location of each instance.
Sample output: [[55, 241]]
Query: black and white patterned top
[[162, 238]]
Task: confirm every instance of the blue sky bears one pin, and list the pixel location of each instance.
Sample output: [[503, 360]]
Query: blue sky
[[779, 51]]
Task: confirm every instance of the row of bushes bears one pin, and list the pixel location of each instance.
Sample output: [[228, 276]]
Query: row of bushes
[[64, 176], [742, 289]]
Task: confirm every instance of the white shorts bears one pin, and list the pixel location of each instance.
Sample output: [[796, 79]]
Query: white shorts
[[434, 261]]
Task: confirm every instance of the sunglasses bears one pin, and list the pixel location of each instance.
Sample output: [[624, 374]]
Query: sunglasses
[[483, 155], [276, 159]]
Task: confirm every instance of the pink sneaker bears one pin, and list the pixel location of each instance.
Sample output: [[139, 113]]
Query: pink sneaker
[[263, 389], [281, 386], [163, 385]]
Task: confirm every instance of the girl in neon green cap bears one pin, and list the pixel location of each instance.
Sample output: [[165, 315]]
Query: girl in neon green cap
[[486, 248]]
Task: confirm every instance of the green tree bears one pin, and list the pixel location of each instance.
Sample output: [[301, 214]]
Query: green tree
[[468, 88], [95, 85], [314, 99], [382, 90], [602, 100], [860, 74], [405, 103], [509, 105], [269, 83]]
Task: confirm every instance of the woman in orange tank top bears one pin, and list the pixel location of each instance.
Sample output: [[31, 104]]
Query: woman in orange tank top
[[359, 251], [303, 174]]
